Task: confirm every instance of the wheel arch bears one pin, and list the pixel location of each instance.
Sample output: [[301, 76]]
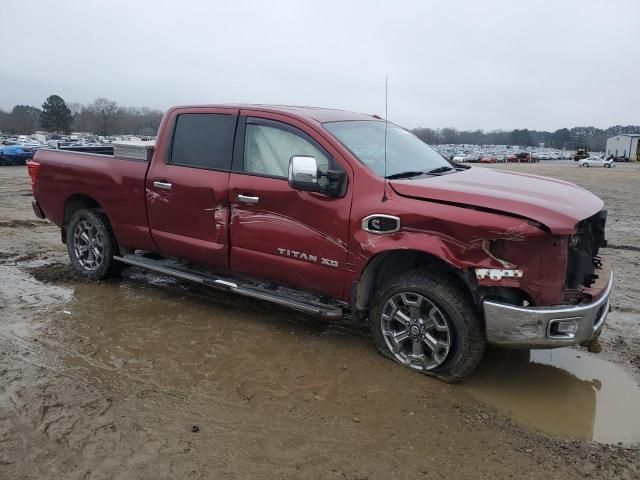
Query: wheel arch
[[389, 263], [75, 202]]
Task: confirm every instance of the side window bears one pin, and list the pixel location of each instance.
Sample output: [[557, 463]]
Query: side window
[[267, 150], [203, 140]]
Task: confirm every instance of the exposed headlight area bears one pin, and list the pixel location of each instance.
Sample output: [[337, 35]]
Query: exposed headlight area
[[583, 260]]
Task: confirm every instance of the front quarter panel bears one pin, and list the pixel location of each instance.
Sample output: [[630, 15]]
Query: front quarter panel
[[465, 239]]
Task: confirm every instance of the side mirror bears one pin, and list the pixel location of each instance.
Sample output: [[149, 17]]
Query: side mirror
[[303, 173]]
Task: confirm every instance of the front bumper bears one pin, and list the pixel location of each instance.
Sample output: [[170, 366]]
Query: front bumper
[[536, 327]]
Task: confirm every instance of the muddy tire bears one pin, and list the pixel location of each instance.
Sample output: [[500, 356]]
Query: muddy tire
[[91, 245], [426, 321]]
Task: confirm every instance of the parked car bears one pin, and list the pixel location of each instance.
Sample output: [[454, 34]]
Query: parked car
[[8, 141], [15, 155], [460, 158], [304, 207], [488, 159], [596, 162], [618, 159], [526, 157]]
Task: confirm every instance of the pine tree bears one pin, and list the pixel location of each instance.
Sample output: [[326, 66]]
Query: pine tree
[[55, 116]]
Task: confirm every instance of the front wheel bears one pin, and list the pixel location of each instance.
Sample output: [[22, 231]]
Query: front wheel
[[607, 165], [426, 321], [91, 245]]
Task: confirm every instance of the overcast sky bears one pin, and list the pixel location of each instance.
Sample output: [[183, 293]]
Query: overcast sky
[[465, 64]]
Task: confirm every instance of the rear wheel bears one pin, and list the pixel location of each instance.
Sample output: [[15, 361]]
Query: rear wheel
[[426, 322], [91, 245]]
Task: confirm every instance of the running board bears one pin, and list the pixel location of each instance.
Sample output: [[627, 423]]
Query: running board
[[235, 286]]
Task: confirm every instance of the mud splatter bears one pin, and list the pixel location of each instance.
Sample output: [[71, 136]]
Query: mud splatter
[[23, 223]]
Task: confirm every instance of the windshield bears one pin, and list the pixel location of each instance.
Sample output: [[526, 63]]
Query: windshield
[[405, 151]]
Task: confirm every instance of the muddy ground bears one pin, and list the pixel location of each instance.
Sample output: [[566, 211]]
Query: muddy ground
[[148, 377]]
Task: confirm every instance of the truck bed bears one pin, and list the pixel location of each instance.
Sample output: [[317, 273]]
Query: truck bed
[[116, 183]]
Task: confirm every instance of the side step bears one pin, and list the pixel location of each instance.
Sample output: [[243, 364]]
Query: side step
[[303, 303]]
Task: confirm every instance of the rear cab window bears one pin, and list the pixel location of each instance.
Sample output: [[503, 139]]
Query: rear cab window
[[203, 140]]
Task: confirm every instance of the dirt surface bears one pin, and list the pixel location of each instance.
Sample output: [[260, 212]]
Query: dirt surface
[[148, 377]]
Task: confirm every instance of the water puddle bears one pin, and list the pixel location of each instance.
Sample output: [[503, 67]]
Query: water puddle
[[21, 295], [561, 392]]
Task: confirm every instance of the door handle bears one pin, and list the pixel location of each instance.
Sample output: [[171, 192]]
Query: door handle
[[162, 185], [248, 199]]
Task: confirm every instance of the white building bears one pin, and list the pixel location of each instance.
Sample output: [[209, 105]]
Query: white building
[[626, 145]]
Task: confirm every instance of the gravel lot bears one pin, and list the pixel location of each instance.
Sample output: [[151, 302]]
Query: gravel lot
[[148, 377]]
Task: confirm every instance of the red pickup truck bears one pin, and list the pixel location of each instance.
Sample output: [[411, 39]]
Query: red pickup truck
[[335, 214]]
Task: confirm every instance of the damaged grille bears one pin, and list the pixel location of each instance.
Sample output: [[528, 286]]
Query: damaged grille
[[583, 259]]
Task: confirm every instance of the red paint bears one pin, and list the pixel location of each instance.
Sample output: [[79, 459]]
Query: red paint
[[190, 221], [117, 186], [200, 219], [33, 168], [555, 203]]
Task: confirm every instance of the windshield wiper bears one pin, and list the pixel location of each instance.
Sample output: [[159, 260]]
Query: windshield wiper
[[407, 174], [442, 169], [416, 173]]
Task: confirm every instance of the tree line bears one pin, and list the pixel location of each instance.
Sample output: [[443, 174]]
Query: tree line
[[569, 139], [101, 117], [106, 117]]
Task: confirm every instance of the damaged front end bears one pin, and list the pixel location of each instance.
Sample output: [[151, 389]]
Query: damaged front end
[[573, 308], [527, 247]]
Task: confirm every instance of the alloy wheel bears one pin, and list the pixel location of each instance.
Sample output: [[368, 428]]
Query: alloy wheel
[[88, 245], [416, 331]]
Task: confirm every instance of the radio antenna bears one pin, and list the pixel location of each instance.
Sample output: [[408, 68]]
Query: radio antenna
[[386, 122]]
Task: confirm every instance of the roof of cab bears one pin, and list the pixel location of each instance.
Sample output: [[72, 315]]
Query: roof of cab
[[318, 114]]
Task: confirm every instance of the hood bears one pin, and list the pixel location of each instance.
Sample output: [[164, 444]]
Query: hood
[[554, 203]]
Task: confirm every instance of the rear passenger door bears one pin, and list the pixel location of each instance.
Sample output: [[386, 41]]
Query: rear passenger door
[[187, 186]]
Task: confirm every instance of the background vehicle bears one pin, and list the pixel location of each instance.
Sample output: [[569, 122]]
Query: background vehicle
[[305, 207], [618, 159], [596, 162], [581, 152], [460, 158], [15, 155], [488, 159]]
